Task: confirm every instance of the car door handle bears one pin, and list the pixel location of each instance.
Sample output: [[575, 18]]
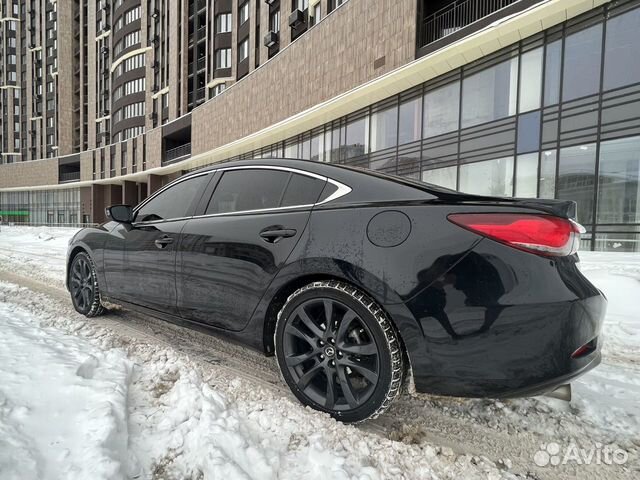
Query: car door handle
[[163, 241], [274, 235]]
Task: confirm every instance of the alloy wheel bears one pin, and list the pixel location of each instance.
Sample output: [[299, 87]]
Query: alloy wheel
[[331, 354], [81, 283]]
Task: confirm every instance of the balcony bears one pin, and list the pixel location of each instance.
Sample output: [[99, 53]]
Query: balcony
[[66, 177], [444, 22], [177, 153]]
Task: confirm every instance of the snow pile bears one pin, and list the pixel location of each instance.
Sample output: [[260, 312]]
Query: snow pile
[[63, 410]]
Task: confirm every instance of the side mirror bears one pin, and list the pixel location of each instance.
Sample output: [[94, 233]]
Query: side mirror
[[120, 213]]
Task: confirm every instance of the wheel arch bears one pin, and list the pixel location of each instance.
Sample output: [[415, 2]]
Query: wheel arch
[[73, 254], [295, 276], [78, 247]]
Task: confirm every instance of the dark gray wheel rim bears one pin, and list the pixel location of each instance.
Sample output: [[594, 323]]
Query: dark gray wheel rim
[[331, 354], [82, 286]]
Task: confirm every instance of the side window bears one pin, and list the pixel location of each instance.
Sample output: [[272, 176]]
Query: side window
[[174, 202], [259, 189], [302, 190], [241, 190]]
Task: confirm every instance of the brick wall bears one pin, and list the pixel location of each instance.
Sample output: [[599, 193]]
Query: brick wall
[[21, 174]]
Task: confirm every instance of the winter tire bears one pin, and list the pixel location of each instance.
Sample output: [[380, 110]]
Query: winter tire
[[338, 351], [83, 286]]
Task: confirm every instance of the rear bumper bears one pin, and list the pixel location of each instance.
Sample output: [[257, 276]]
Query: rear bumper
[[527, 351], [503, 324], [550, 385]]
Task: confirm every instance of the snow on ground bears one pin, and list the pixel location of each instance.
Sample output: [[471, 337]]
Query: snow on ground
[[39, 252], [78, 402], [60, 399], [76, 396]]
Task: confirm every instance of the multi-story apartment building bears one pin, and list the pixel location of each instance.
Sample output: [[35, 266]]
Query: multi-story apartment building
[[104, 101]]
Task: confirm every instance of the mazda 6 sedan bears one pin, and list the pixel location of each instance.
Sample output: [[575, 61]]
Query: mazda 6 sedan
[[358, 282]]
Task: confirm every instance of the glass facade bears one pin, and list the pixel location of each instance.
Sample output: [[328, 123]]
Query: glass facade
[[556, 115], [42, 207]]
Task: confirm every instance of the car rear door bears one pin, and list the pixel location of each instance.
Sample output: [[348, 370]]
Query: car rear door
[[151, 242], [230, 254]]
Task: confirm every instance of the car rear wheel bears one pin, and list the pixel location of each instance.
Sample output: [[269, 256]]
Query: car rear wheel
[[338, 351], [83, 285]]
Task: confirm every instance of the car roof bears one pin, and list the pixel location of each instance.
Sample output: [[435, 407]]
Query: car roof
[[312, 166]]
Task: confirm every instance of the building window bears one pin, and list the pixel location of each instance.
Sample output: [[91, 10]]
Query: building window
[[530, 80], [217, 90], [493, 177], [244, 13], [527, 175], [317, 148], [132, 15], [274, 21], [576, 178], [223, 23], [552, 69], [301, 4], [528, 132], [384, 129], [441, 110], [243, 50], [547, 180], [444, 177], [582, 63], [316, 13], [410, 122], [490, 94], [223, 58], [619, 181], [357, 138], [621, 58]]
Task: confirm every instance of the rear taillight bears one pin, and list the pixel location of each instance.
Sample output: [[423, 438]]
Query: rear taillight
[[541, 234]]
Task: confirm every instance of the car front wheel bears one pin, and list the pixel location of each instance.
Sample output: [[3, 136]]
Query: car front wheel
[[338, 351], [83, 285]]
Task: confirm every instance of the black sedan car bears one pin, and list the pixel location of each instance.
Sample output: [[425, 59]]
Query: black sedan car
[[355, 280]]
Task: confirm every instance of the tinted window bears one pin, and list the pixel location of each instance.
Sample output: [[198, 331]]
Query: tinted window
[[174, 202], [302, 190], [622, 56], [582, 63], [241, 190]]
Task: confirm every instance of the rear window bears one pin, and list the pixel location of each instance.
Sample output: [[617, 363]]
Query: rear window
[[260, 189], [302, 190]]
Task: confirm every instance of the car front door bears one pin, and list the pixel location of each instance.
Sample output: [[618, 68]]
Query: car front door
[[151, 241], [230, 254]]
